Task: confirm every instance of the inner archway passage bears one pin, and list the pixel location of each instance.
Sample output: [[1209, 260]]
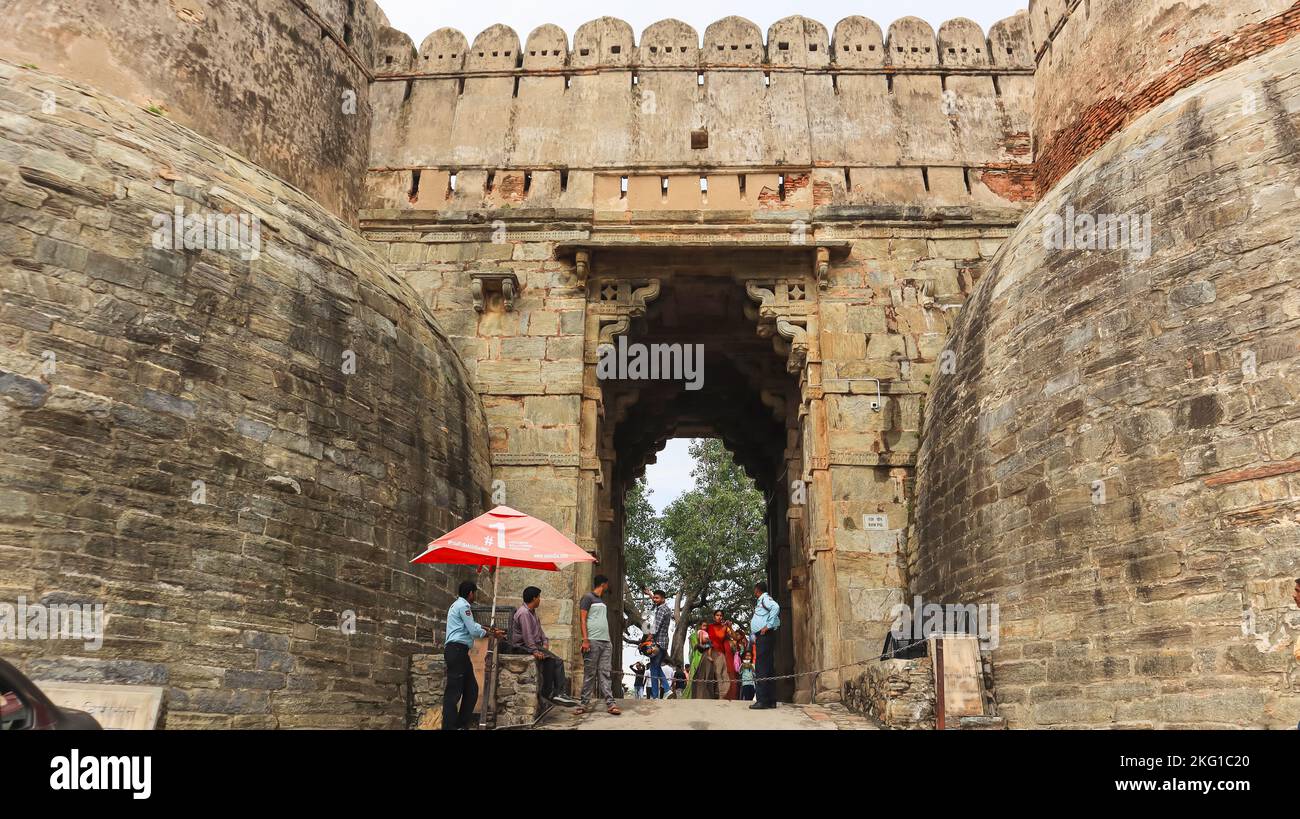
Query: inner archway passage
[[739, 395], [697, 533]]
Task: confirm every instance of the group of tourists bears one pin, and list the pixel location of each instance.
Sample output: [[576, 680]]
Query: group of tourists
[[676, 687], [726, 663]]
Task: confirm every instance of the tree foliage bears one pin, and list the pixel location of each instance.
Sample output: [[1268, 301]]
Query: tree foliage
[[707, 549]]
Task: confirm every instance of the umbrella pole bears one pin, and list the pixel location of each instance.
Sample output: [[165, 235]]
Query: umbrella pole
[[496, 577], [490, 674]]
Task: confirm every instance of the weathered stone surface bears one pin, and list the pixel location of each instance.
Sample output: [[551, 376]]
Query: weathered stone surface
[[515, 692], [214, 67], [183, 440], [897, 693], [1109, 442], [240, 454]]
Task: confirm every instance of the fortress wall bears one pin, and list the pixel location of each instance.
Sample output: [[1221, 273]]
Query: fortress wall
[[674, 102], [1103, 63], [283, 82], [1114, 461], [130, 371]]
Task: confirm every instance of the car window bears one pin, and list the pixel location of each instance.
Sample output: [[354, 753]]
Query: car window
[[14, 713]]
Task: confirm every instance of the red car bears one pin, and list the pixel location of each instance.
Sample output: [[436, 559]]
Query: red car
[[23, 707]]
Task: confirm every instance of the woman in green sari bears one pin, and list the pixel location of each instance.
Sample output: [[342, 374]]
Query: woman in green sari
[[699, 641]]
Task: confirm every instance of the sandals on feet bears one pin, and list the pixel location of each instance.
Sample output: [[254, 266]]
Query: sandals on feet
[[613, 709]]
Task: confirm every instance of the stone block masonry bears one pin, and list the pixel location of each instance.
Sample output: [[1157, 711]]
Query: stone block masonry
[[1113, 458], [515, 693], [804, 117], [1166, 53], [428, 681], [239, 453], [285, 83], [237, 457], [898, 693]]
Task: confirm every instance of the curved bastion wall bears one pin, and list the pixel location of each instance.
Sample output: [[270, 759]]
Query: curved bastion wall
[[1114, 458], [236, 450], [1100, 64], [283, 82]]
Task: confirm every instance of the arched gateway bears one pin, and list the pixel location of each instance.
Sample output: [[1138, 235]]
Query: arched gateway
[[945, 377], [807, 210]]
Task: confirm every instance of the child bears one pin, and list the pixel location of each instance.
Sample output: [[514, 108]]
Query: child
[[747, 677]]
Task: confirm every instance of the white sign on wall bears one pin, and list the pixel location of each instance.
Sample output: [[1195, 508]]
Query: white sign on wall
[[130, 707], [875, 521]]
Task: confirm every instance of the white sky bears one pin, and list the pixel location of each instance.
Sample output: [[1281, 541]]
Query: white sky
[[670, 475], [419, 17]]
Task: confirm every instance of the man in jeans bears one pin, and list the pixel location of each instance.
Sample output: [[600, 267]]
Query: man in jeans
[[597, 651], [663, 619], [527, 637], [763, 625], [461, 693]]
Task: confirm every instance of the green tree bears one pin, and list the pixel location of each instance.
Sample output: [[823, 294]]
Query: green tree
[[642, 543], [712, 539]]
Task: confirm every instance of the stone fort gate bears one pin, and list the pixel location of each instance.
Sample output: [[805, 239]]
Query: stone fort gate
[[849, 220], [807, 209]]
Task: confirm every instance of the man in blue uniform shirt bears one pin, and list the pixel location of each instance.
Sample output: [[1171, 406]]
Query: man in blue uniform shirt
[[461, 693], [763, 625]]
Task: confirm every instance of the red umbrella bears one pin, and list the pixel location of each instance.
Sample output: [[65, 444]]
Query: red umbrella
[[505, 537]]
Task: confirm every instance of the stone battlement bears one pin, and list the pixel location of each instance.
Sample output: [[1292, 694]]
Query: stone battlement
[[794, 42], [612, 124]]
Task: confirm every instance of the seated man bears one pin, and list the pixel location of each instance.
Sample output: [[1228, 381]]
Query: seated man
[[526, 637]]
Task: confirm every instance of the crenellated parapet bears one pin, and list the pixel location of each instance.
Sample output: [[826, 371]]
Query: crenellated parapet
[[791, 119], [792, 42]]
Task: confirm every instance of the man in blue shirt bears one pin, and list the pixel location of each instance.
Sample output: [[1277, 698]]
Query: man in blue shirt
[[763, 625], [461, 693]]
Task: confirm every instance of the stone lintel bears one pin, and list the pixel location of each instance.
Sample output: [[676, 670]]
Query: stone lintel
[[516, 459]]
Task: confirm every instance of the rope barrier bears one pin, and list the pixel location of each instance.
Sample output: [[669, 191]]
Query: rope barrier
[[883, 656]]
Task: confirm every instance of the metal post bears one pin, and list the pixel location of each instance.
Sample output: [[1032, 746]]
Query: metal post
[[490, 659]]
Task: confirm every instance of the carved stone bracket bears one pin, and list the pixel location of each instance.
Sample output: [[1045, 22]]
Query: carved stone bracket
[[782, 315], [798, 336], [582, 266], [613, 328], [618, 301], [822, 266], [485, 281]]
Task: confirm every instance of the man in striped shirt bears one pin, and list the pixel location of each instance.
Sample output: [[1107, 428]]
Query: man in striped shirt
[[663, 618]]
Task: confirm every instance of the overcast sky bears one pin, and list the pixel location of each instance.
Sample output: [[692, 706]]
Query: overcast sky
[[419, 17], [670, 475]]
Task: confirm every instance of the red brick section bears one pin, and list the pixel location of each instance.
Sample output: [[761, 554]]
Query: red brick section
[[1011, 181], [1255, 473], [1100, 121], [512, 188], [770, 198], [823, 193]]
